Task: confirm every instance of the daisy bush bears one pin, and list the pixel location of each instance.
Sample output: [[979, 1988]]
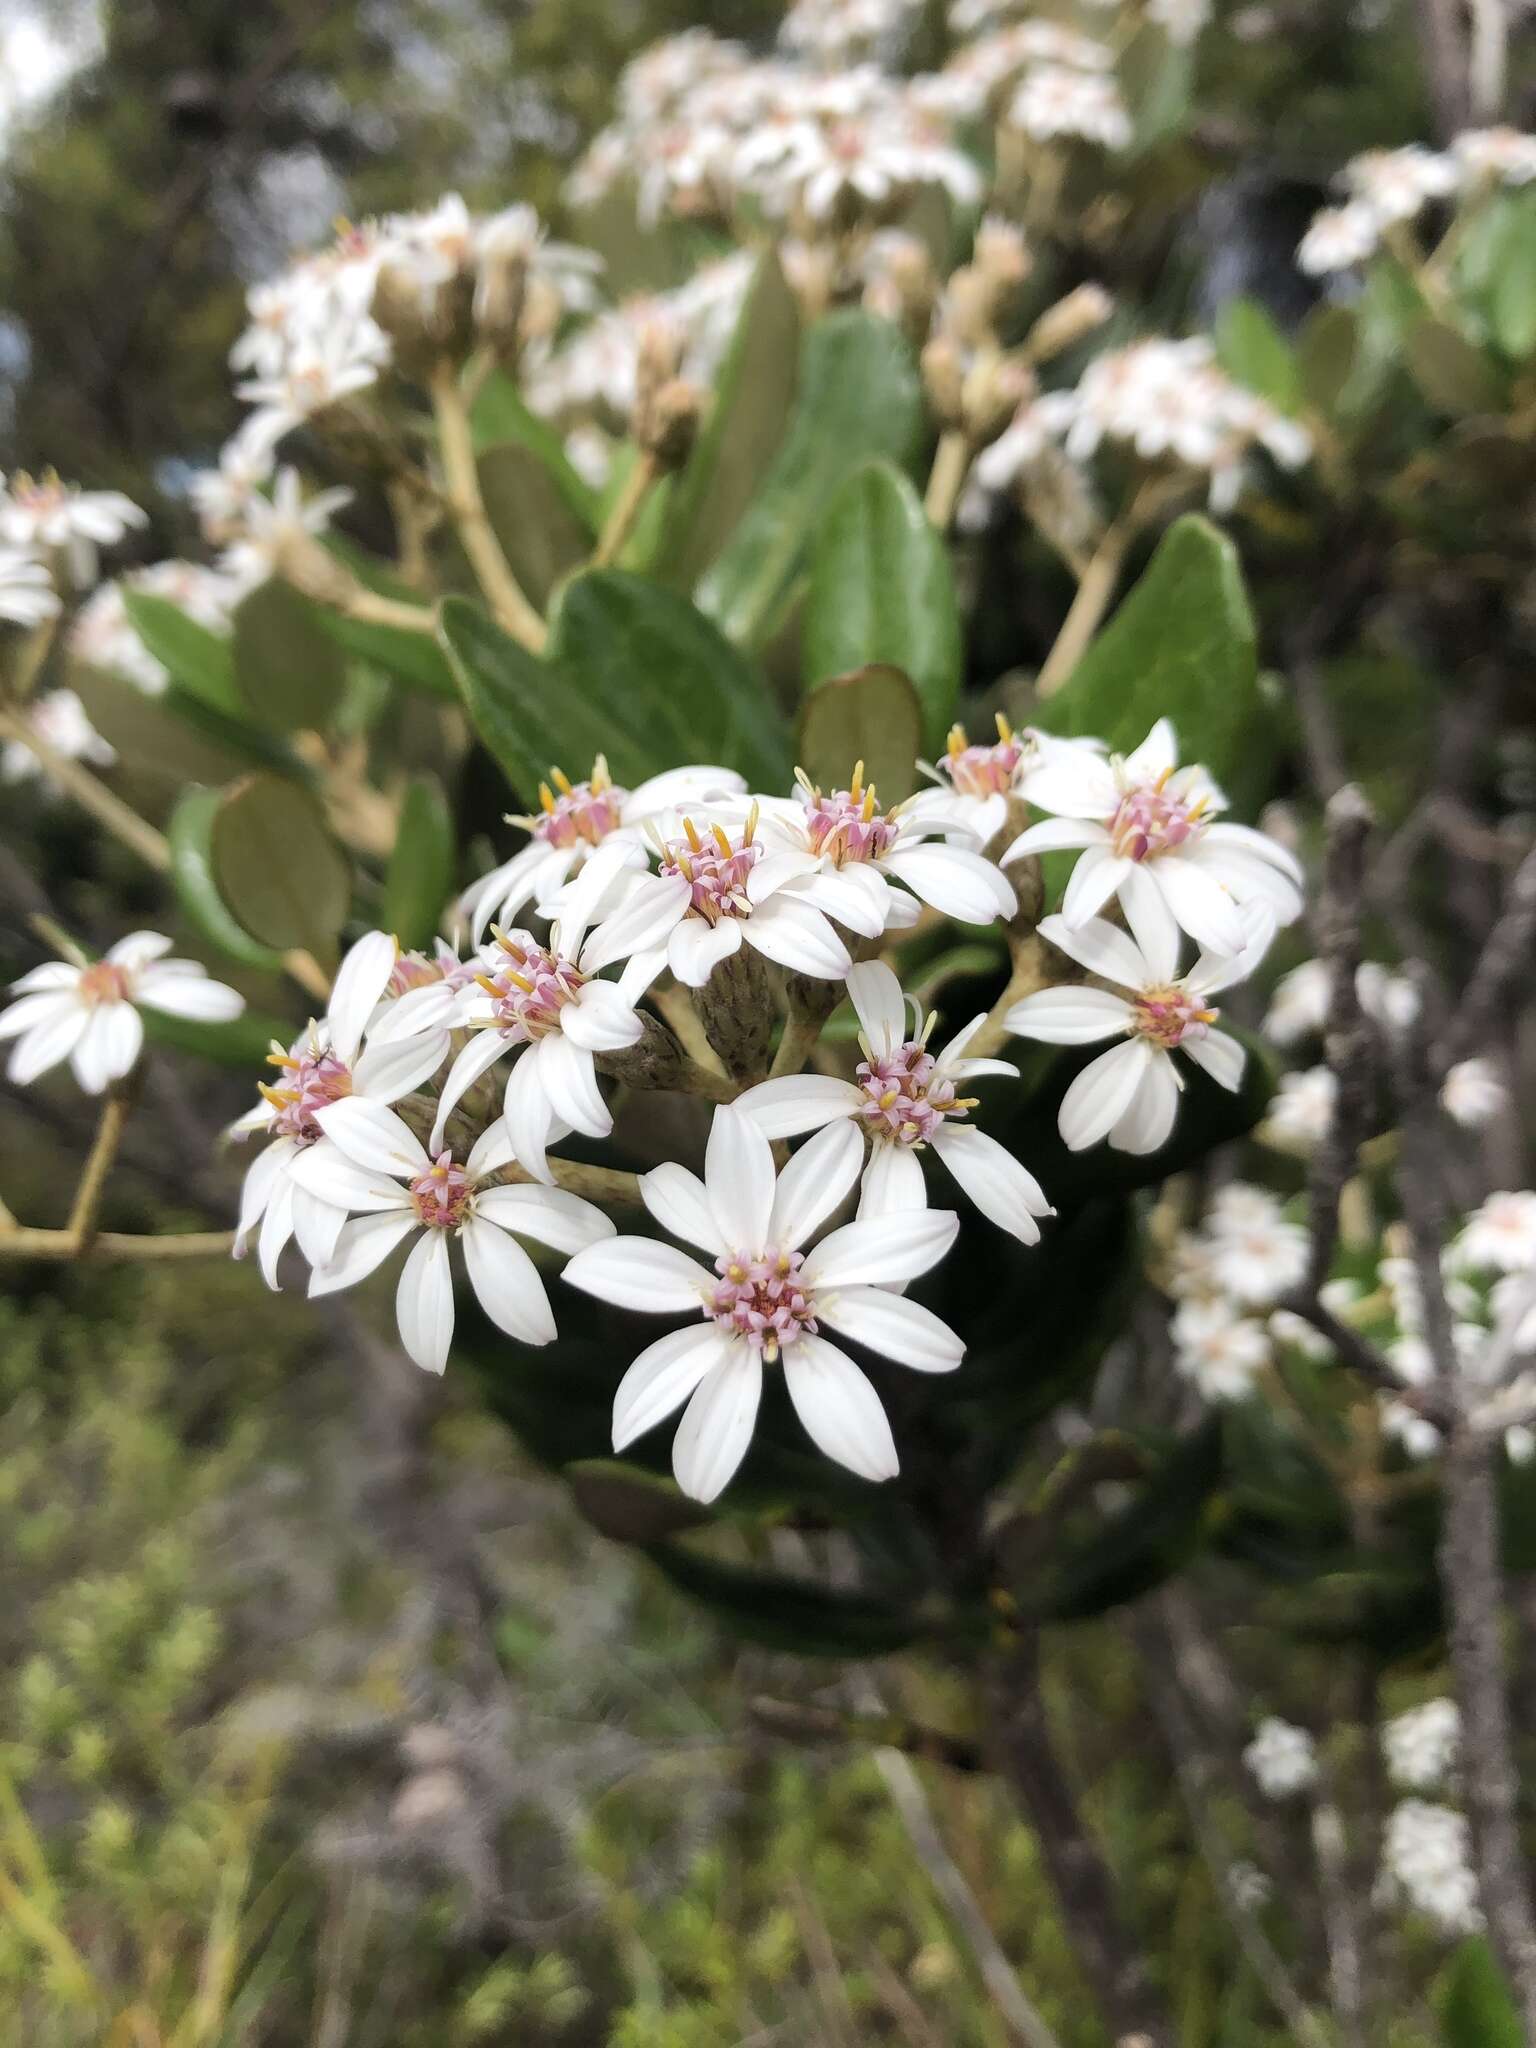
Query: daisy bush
[[852, 864]]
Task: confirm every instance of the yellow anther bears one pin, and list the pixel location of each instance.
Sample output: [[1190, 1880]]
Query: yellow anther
[[281, 1059], [520, 981], [784, 1262], [489, 986], [752, 817], [1004, 729], [928, 1028], [439, 1173], [869, 804], [964, 1102], [855, 787], [546, 797], [600, 778], [736, 1273], [693, 838], [561, 780], [685, 867], [890, 1098], [721, 841], [1206, 1016], [956, 743], [280, 1098]]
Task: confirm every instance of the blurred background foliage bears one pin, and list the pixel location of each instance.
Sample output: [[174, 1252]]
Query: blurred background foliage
[[338, 1729]]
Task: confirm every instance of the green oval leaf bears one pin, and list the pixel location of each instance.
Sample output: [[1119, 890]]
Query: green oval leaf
[[1452, 374], [630, 1505], [501, 414], [789, 1614], [289, 671], [419, 879], [199, 661], [412, 658], [871, 716], [1473, 2001], [881, 591], [190, 833], [277, 866], [859, 398], [541, 537], [1180, 646], [1252, 350]]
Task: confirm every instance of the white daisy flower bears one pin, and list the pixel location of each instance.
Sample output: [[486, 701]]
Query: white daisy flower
[[1420, 1746], [1282, 1758], [45, 513], [573, 821], [1301, 1114], [27, 595], [1219, 1350], [905, 1098], [713, 892], [1130, 1094], [1498, 1237], [371, 1165], [1396, 184], [1486, 155], [842, 853], [1339, 238], [1256, 1254], [270, 529], [766, 1300], [536, 1001], [1472, 1094], [974, 786], [1151, 836], [1054, 101], [90, 1015], [224, 496], [325, 1063], [1427, 1855]]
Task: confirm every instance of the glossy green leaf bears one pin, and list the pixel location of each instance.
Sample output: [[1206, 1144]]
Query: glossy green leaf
[[630, 1505], [276, 865], [782, 1613], [859, 398], [200, 662], [1326, 355], [418, 882], [1512, 309], [541, 537], [190, 833], [1180, 646], [1474, 2003], [881, 591], [1252, 350], [289, 672], [172, 737], [1453, 374], [501, 414], [871, 716], [632, 671], [753, 395]]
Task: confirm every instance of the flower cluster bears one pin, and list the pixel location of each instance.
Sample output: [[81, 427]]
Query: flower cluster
[[1386, 190]]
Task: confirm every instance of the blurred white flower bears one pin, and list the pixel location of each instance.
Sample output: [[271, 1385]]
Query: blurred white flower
[[1340, 238], [90, 1015], [1302, 1111], [1488, 155], [1472, 1094], [27, 595], [1426, 1855], [1282, 1758], [1220, 1350], [44, 513], [1420, 1746], [60, 718], [271, 529], [1498, 1237]]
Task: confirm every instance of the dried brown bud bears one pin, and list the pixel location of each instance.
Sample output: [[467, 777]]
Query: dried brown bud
[[944, 379], [666, 424], [1002, 255], [501, 297]]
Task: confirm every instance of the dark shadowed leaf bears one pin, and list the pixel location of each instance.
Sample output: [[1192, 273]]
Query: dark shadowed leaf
[[289, 672], [412, 658], [419, 879], [1452, 373], [790, 1614], [629, 1504], [501, 414], [277, 866], [190, 833], [1252, 350], [871, 716], [541, 537]]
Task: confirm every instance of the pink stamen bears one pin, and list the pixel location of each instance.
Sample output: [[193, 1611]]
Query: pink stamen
[[312, 1081], [760, 1298], [103, 983], [1149, 821], [716, 872], [846, 827], [441, 1195], [984, 771], [531, 988], [580, 815], [904, 1105], [1170, 1015]]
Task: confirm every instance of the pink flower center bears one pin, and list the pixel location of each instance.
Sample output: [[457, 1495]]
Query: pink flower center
[[1170, 1015], [903, 1103], [576, 813], [984, 771], [716, 871], [531, 989], [38, 495], [847, 825], [103, 983], [760, 1298], [415, 970], [1149, 821], [441, 1195], [312, 1080]]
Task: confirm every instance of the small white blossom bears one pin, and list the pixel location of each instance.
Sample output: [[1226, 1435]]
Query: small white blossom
[[90, 1015], [27, 595], [60, 719], [766, 1301], [270, 529], [1427, 1856], [1302, 1111], [1473, 1095], [1498, 1237], [1495, 155], [43, 514], [1420, 1747], [1282, 1758], [1219, 1350], [1340, 238], [1054, 101]]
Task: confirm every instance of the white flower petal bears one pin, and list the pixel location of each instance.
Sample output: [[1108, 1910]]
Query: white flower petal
[[257, 1186], [276, 1228], [1157, 755], [893, 1326], [645, 920], [363, 1246], [568, 1078], [1095, 878], [137, 949], [480, 1054], [108, 1046], [882, 1251], [360, 982], [600, 1019], [1148, 1122], [528, 1117], [1055, 835], [1102, 1093], [639, 1273], [663, 1377], [1100, 948], [47, 1042], [679, 1201], [839, 1409], [189, 995], [1199, 904], [424, 1302], [716, 1428], [1149, 913], [893, 1182], [373, 1137], [1069, 1016], [330, 1176], [876, 996], [552, 1216], [858, 897], [738, 1174], [957, 882], [317, 1225], [386, 1072], [45, 1007], [796, 1103], [792, 934], [814, 1182], [1222, 1056], [1003, 1190], [505, 1280], [696, 948]]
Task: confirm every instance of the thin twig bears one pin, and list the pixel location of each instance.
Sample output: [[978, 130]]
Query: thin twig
[[1505, 960], [116, 1247], [627, 507], [1347, 1038], [1337, 1895], [946, 480], [502, 590]]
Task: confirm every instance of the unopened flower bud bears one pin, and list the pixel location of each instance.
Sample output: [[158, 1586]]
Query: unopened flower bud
[[969, 309], [810, 270], [666, 423], [399, 309], [658, 359], [994, 391], [501, 293], [1001, 254], [1065, 323], [736, 1009], [1058, 501], [944, 379]]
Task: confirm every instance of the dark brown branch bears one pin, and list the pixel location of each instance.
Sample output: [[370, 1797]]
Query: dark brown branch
[[801, 1721], [1348, 1042], [1504, 962]]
